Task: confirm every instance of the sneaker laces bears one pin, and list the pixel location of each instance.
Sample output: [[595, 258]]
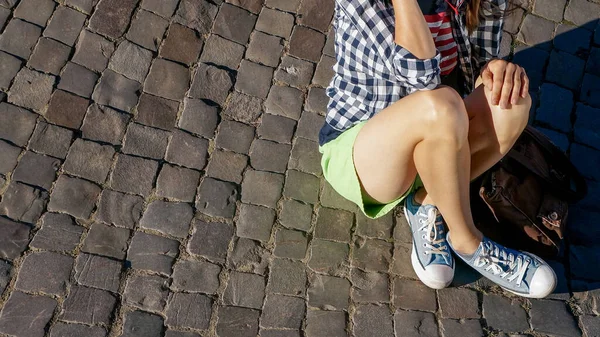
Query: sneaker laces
[[506, 265], [432, 242]]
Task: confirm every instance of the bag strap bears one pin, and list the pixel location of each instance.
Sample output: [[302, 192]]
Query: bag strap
[[578, 185]]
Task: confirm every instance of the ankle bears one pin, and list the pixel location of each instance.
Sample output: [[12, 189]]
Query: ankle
[[422, 197], [465, 245]]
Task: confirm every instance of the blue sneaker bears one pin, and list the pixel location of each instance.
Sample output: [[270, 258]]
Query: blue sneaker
[[518, 272], [431, 257]]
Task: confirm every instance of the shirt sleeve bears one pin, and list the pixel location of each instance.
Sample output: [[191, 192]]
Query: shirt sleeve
[[486, 38], [417, 74]]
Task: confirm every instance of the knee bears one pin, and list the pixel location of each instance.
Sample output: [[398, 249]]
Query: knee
[[512, 122], [446, 114]]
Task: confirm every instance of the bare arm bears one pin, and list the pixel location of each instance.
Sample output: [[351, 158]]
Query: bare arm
[[412, 31]]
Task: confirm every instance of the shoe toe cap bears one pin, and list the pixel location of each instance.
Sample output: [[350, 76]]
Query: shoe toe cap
[[438, 276], [543, 282]]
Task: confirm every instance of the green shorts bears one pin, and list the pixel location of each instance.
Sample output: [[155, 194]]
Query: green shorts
[[338, 168]]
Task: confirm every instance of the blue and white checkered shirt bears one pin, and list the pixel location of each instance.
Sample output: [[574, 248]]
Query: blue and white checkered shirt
[[372, 71]]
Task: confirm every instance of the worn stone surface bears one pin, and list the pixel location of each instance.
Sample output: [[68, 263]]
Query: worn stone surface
[[23, 203], [51, 140], [211, 83], [98, 272], [37, 12], [17, 125], [243, 108], [276, 128], [167, 79], [171, 218], [222, 52], [78, 308], [196, 276], [284, 101], [107, 241], [369, 318], [177, 183], [369, 286], [36, 170], [59, 232], [198, 15], [290, 244], [217, 198], [262, 188], [254, 79], [65, 25], [180, 306], [112, 17], [227, 166], [9, 66], [49, 56], [269, 156], [249, 256], [26, 315], [275, 22], [145, 141], [283, 312], [55, 267], [147, 30], [19, 38], [89, 160], [198, 118], [235, 136], [245, 290], [328, 256], [104, 124], [234, 23], [74, 330], [287, 277], [133, 175], [413, 295], [265, 49], [151, 252], [31, 90], [329, 293], [116, 91], [255, 222], [181, 44], [93, 51], [14, 238], [237, 321], [67, 109], [147, 292], [142, 324], [306, 44], [131, 60], [415, 324], [504, 314], [74, 196]]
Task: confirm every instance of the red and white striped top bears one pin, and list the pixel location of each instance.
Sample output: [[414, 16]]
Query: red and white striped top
[[439, 24]]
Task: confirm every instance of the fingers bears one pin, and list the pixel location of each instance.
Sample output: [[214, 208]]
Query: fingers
[[487, 78], [507, 86], [525, 89], [517, 86], [498, 83]]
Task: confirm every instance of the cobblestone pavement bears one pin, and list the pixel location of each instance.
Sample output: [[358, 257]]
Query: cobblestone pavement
[[159, 176]]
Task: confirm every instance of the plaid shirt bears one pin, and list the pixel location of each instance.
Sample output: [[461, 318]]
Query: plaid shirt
[[372, 71]]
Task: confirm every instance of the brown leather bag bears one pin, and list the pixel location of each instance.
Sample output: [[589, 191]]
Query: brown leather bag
[[528, 193]]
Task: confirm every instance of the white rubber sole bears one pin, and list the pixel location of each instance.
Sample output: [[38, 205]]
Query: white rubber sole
[[541, 295]]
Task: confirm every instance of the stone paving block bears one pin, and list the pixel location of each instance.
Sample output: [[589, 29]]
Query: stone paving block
[[133, 175], [73, 196], [593, 62], [17, 124], [512, 22], [227, 166], [84, 6], [131, 60], [98, 272], [181, 45], [14, 238], [317, 100], [168, 79], [380, 228], [234, 23], [26, 315], [324, 72], [217, 198], [51, 140], [369, 286], [66, 109], [164, 8], [254, 79], [415, 324], [211, 83], [198, 15], [23, 203], [147, 292], [590, 90], [199, 118], [269, 156], [245, 290], [582, 13], [413, 295], [4, 14], [334, 224], [107, 241], [37, 170], [31, 89], [243, 108], [234, 321], [151, 252], [265, 49], [329, 48], [296, 215], [284, 5], [295, 72], [287, 277], [580, 259], [179, 307], [104, 124], [502, 314], [142, 324], [591, 325], [276, 128], [283, 312], [111, 17], [587, 125], [255, 222], [553, 317], [145, 141], [253, 6], [305, 157], [572, 39], [249, 256], [533, 60], [565, 70], [316, 14], [73, 330], [55, 267], [290, 244], [235, 136], [117, 91], [196, 276], [9, 67], [49, 56], [325, 324], [171, 218], [177, 183], [328, 256], [597, 35], [262, 188], [279, 333], [506, 46], [306, 44], [284, 101], [19, 38], [369, 318], [466, 328], [584, 159], [173, 333], [275, 22], [118, 209], [301, 186], [552, 10], [559, 139], [222, 52], [329, 293], [459, 303], [58, 232], [373, 255], [89, 160], [147, 30], [65, 25], [402, 263], [555, 107], [157, 112]]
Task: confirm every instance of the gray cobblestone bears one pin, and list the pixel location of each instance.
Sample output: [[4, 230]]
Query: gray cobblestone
[[290, 244], [58, 232], [181, 305], [284, 5], [234, 23], [222, 52], [157, 112], [51, 140], [590, 90], [181, 45], [284, 101], [65, 25], [380, 228], [173, 333], [147, 30], [73, 196], [165, 8], [458, 303], [255, 222], [112, 17], [296, 215], [198, 15], [325, 324], [14, 238], [373, 255], [254, 79], [265, 49], [107, 241], [8, 157], [262, 188], [85, 6], [199, 118], [23, 203], [17, 125], [287, 277], [131, 60], [168, 217], [269, 156], [245, 290], [167, 79], [19, 38], [329, 293], [369, 286], [329, 48], [37, 170], [243, 108], [196, 276], [276, 128], [565, 70], [324, 72], [237, 322], [26, 315], [402, 264], [253, 6], [555, 107], [513, 21], [9, 67], [591, 325], [279, 333], [117, 91], [301, 186], [552, 10], [582, 13], [177, 183], [98, 272], [334, 224], [537, 31], [211, 83], [275, 22], [249, 256], [4, 14], [217, 198], [151, 252], [585, 123], [89, 160], [502, 314], [66, 109], [147, 292], [317, 100], [235, 136], [75, 330], [121, 210], [413, 295], [316, 14], [187, 150], [306, 44], [142, 324], [369, 318], [328, 256], [466, 328], [295, 72], [283, 312], [31, 89], [553, 317], [305, 157], [593, 62], [55, 267], [415, 324], [145, 141], [104, 124]]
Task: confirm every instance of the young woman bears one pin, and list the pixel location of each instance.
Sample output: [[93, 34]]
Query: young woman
[[395, 133]]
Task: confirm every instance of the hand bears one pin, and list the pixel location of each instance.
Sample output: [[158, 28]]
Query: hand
[[507, 81]]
